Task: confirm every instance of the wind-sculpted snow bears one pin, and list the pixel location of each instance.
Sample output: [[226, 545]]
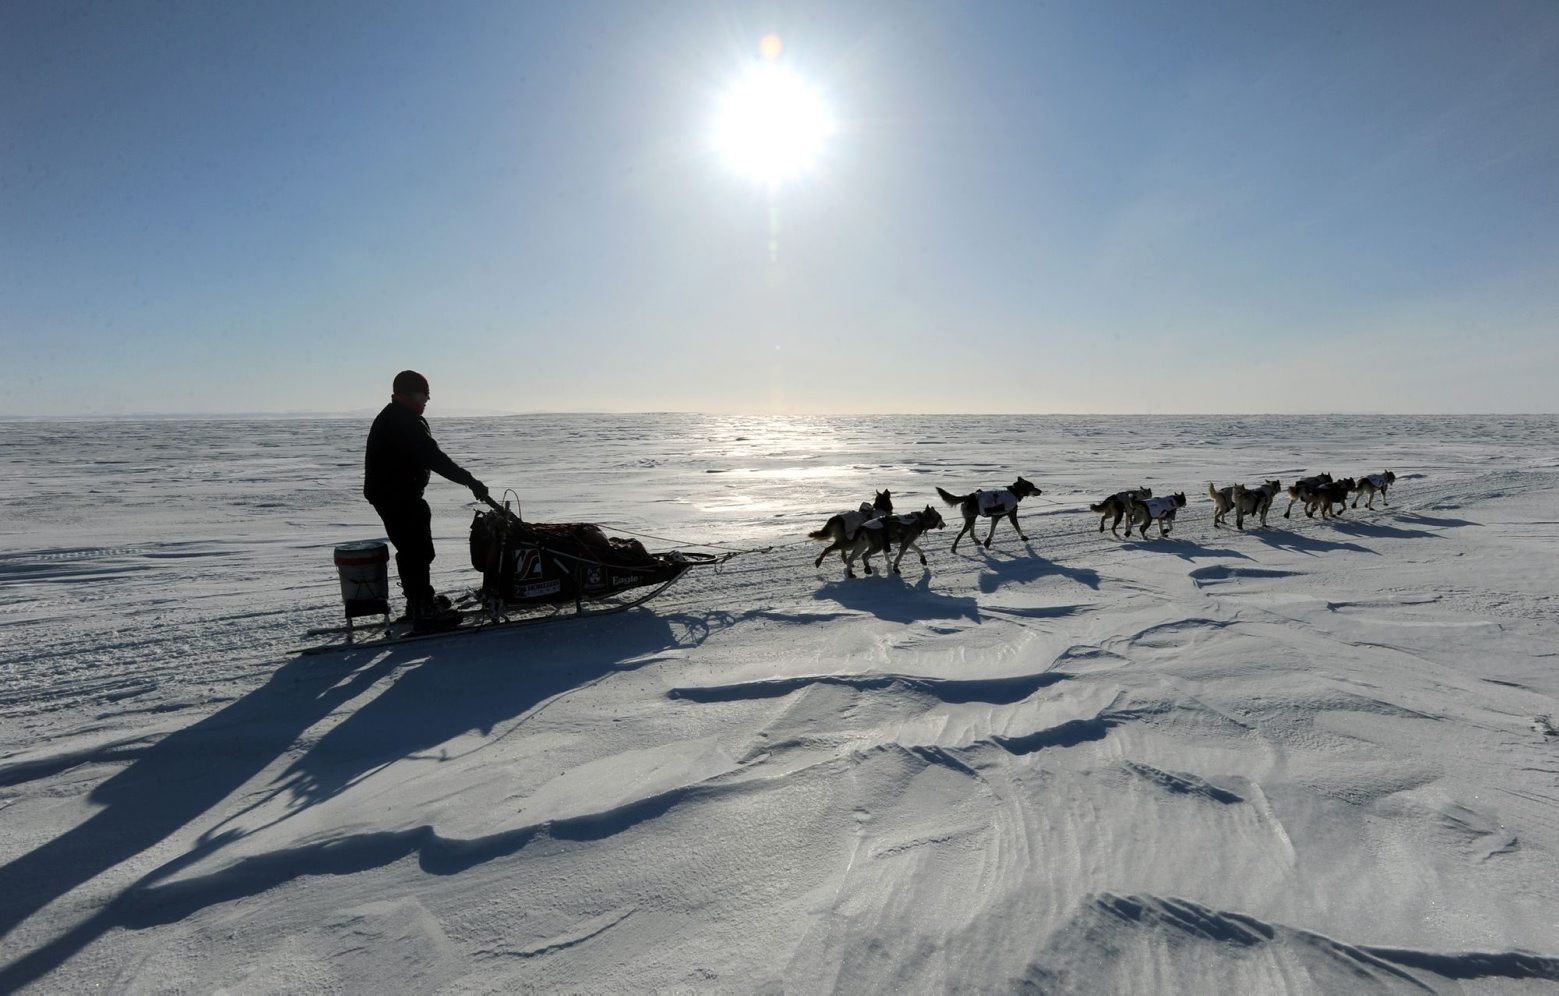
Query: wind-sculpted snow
[[996, 691], [1310, 957], [1313, 757]]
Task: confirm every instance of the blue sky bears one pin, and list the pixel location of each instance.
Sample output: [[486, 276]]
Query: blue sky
[[1070, 207]]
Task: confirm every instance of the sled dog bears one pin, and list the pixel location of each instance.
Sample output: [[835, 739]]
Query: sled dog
[[1160, 510], [1372, 485], [1253, 501], [841, 529], [1324, 496], [1116, 505], [994, 505], [879, 535], [1223, 501], [1300, 490]]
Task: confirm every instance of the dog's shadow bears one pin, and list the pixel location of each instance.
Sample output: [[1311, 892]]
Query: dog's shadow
[[1419, 519], [891, 598], [1005, 569], [1188, 550], [1356, 528], [1283, 539]]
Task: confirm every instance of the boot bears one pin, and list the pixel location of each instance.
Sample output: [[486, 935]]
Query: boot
[[433, 615]]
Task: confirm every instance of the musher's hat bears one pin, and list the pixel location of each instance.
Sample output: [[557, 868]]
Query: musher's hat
[[410, 382]]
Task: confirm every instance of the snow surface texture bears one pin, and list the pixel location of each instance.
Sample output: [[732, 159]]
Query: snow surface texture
[[1319, 757]]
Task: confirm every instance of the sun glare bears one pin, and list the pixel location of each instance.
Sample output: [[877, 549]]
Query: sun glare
[[771, 125]]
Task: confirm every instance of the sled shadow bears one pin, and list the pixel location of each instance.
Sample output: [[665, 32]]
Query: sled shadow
[[471, 684], [893, 598], [443, 689]]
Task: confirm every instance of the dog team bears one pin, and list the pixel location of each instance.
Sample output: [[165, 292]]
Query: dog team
[[873, 528]]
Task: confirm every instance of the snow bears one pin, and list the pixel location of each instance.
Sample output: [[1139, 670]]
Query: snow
[[1315, 757]]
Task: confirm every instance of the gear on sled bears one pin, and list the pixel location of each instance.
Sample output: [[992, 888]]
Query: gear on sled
[[525, 564]]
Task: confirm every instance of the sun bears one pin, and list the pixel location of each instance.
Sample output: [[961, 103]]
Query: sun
[[771, 126]]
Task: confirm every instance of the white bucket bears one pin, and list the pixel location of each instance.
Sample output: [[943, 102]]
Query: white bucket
[[365, 577]]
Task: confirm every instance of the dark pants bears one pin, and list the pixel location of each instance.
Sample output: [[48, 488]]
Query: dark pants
[[409, 524]]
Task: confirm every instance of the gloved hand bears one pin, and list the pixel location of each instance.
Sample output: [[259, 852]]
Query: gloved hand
[[480, 490]]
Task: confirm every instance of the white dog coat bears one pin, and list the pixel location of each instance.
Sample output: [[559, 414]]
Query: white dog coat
[[1159, 507], [1377, 481], [994, 503], [866, 516]]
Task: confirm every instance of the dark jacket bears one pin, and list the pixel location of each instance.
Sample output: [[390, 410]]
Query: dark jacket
[[401, 452]]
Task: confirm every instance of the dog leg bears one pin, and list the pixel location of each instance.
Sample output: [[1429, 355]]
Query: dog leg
[[1012, 517], [968, 528], [1383, 500], [991, 533], [830, 548]]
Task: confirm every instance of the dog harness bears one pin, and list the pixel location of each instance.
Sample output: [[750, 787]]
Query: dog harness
[[995, 503], [866, 518], [1158, 507]]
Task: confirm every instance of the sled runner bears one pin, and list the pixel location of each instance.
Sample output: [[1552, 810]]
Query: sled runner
[[531, 573]]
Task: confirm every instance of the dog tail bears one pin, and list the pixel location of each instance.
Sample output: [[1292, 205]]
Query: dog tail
[[818, 534], [1212, 492], [952, 499], [1103, 506]]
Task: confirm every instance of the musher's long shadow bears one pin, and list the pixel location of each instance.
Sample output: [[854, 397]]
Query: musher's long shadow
[[489, 680], [173, 782], [448, 693]]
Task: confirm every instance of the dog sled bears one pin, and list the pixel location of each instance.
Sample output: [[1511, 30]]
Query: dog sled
[[532, 572]]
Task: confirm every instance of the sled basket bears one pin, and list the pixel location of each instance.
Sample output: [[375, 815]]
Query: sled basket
[[531, 563]]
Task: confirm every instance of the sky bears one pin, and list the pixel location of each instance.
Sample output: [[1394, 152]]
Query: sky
[[1019, 207]]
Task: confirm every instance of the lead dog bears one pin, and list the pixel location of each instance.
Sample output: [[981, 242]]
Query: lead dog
[[1300, 490], [842, 528], [1253, 501], [1116, 505], [1372, 485], [1160, 510], [991, 504], [879, 535]]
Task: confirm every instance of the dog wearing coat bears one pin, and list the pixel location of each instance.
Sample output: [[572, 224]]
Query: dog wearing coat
[[1160, 510], [879, 535], [841, 529], [1372, 485], [994, 505], [1116, 505]]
